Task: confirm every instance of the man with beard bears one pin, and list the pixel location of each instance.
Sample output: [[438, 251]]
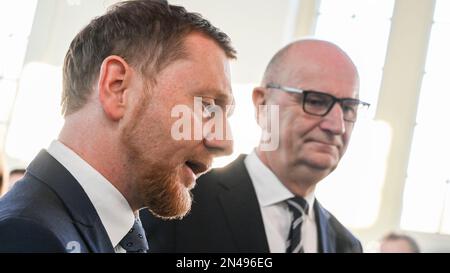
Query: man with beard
[[123, 75], [265, 202]]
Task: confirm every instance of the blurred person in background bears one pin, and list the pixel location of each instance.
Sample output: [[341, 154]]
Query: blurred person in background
[[13, 176], [398, 243], [2, 170]]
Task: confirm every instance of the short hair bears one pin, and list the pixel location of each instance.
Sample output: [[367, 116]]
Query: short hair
[[396, 236], [17, 171], [148, 34]]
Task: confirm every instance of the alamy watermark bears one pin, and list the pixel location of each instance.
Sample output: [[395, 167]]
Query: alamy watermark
[[73, 247], [210, 123]]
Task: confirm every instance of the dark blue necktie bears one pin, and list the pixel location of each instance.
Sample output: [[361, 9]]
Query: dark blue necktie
[[135, 240], [299, 207]]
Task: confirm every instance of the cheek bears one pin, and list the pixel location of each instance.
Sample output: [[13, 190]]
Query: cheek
[[345, 141], [346, 137], [288, 137], [294, 129], [151, 136], [159, 123]]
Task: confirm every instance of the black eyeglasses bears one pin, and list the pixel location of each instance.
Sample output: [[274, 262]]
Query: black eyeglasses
[[320, 104]]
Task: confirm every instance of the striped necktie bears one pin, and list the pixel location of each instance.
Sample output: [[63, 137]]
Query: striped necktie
[[299, 208]]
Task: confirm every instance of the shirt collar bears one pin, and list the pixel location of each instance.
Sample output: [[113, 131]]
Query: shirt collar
[[111, 206], [268, 187]]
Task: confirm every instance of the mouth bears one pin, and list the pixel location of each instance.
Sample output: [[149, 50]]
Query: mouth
[[197, 167], [324, 143], [326, 146]]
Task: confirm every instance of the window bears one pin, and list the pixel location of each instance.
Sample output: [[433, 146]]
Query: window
[[361, 28], [243, 124], [16, 18], [37, 119], [426, 200]]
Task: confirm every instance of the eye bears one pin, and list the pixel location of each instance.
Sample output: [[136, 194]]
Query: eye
[[231, 109], [316, 101], [209, 108], [350, 107]]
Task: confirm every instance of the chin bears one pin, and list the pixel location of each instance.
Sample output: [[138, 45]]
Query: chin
[[323, 164], [177, 208], [168, 197]]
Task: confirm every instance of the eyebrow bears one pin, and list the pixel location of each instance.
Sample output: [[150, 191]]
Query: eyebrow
[[218, 95], [331, 95], [225, 100], [295, 90]]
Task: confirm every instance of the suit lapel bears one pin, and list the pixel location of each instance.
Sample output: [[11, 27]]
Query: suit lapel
[[77, 203], [327, 236], [96, 237], [241, 207]]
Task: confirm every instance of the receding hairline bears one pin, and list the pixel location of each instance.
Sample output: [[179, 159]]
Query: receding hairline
[[275, 65]]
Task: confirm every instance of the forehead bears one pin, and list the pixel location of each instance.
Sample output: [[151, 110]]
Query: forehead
[[322, 68], [204, 70]]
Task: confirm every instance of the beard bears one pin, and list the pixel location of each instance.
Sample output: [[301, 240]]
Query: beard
[[155, 184], [164, 195]]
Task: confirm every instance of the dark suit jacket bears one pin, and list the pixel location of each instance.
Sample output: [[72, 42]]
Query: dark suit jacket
[[48, 211], [226, 217]]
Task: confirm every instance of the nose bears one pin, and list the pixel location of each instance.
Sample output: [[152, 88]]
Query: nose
[[219, 142], [334, 121]]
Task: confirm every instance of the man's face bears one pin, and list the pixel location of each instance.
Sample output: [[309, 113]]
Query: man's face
[[162, 169], [311, 146]]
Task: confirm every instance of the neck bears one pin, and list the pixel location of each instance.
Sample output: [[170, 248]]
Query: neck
[[98, 147], [301, 181]]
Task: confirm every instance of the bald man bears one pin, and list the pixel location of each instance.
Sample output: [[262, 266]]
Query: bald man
[[264, 202]]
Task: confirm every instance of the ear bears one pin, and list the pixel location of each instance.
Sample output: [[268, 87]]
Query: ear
[[259, 97], [114, 80]]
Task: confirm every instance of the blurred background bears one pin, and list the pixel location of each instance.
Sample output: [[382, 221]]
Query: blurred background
[[396, 173]]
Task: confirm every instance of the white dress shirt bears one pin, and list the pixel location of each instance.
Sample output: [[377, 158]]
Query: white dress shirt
[[113, 209], [276, 215]]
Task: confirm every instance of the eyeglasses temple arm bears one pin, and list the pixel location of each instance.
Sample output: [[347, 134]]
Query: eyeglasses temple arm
[[285, 88]]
